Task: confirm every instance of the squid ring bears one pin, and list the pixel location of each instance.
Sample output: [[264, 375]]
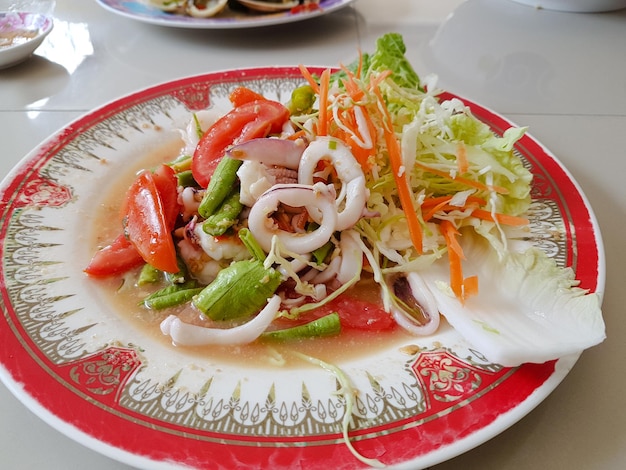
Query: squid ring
[[349, 172], [317, 196], [185, 334]]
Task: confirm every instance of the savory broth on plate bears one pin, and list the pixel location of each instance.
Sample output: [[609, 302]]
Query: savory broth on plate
[[126, 298]]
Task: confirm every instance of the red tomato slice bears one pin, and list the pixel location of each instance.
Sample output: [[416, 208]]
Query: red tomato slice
[[358, 314], [167, 184], [253, 119], [242, 95], [116, 258], [146, 224]]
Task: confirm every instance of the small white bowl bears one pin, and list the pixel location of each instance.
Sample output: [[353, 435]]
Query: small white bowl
[[20, 34]]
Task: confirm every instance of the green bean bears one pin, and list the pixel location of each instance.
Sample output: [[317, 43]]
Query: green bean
[[322, 252], [148, 275], [181, 276], [199, 131], [327, 325], [182, 163], [220, 186], [251, 244], [186, 179], [226, 215], [172, 295]]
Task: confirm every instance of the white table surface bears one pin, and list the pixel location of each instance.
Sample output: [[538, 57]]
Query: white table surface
[[561, 74]]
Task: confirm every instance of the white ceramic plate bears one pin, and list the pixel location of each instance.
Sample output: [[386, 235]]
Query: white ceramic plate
[[229, 18], [73, 358], [20, 34]]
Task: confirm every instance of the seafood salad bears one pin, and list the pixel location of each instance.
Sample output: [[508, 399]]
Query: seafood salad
[[278, 218]]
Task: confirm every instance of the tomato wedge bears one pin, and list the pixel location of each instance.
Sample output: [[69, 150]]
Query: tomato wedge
[[167, 186], [242, 95], [117, 258], [251, 120], [146, 225], [358, 314]]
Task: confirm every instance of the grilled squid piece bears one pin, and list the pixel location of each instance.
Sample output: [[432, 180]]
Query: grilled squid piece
[[185, 334], [414, 307], [318, 196], [353, 194], [205, 8]]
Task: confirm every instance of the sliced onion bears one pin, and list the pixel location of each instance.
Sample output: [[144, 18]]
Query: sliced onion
[[279, 152], [185, 334], [427, 304]]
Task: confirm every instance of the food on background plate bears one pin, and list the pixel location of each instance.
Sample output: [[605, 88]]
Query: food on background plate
[[210, 8], [279, 217], [10, 38]]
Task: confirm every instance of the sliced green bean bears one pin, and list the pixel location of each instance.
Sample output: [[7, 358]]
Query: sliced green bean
[[182, 163], [148, 275], [181, 276], [173, 295], [199, 131], [252, 244], [328, 325], [220, 186], [322, 252], [186, 179], [226, 215]]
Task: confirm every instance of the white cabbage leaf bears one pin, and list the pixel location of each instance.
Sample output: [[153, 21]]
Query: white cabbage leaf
[[528, 309]]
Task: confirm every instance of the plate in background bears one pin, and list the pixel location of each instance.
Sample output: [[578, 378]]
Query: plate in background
[[230, 18]]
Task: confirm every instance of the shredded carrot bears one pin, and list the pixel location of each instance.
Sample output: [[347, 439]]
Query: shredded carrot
[[461, 159], [352, 88], [465, 181], [500, 218], [404, 190], [450, 233], [322, 125], [463, 288], [363, 155], [375, 81], [435, 201], [433, 210], [359, 69], [455, 255], [309, 78], [470, 286], [442, 203], [360, 154], [297, 135]]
